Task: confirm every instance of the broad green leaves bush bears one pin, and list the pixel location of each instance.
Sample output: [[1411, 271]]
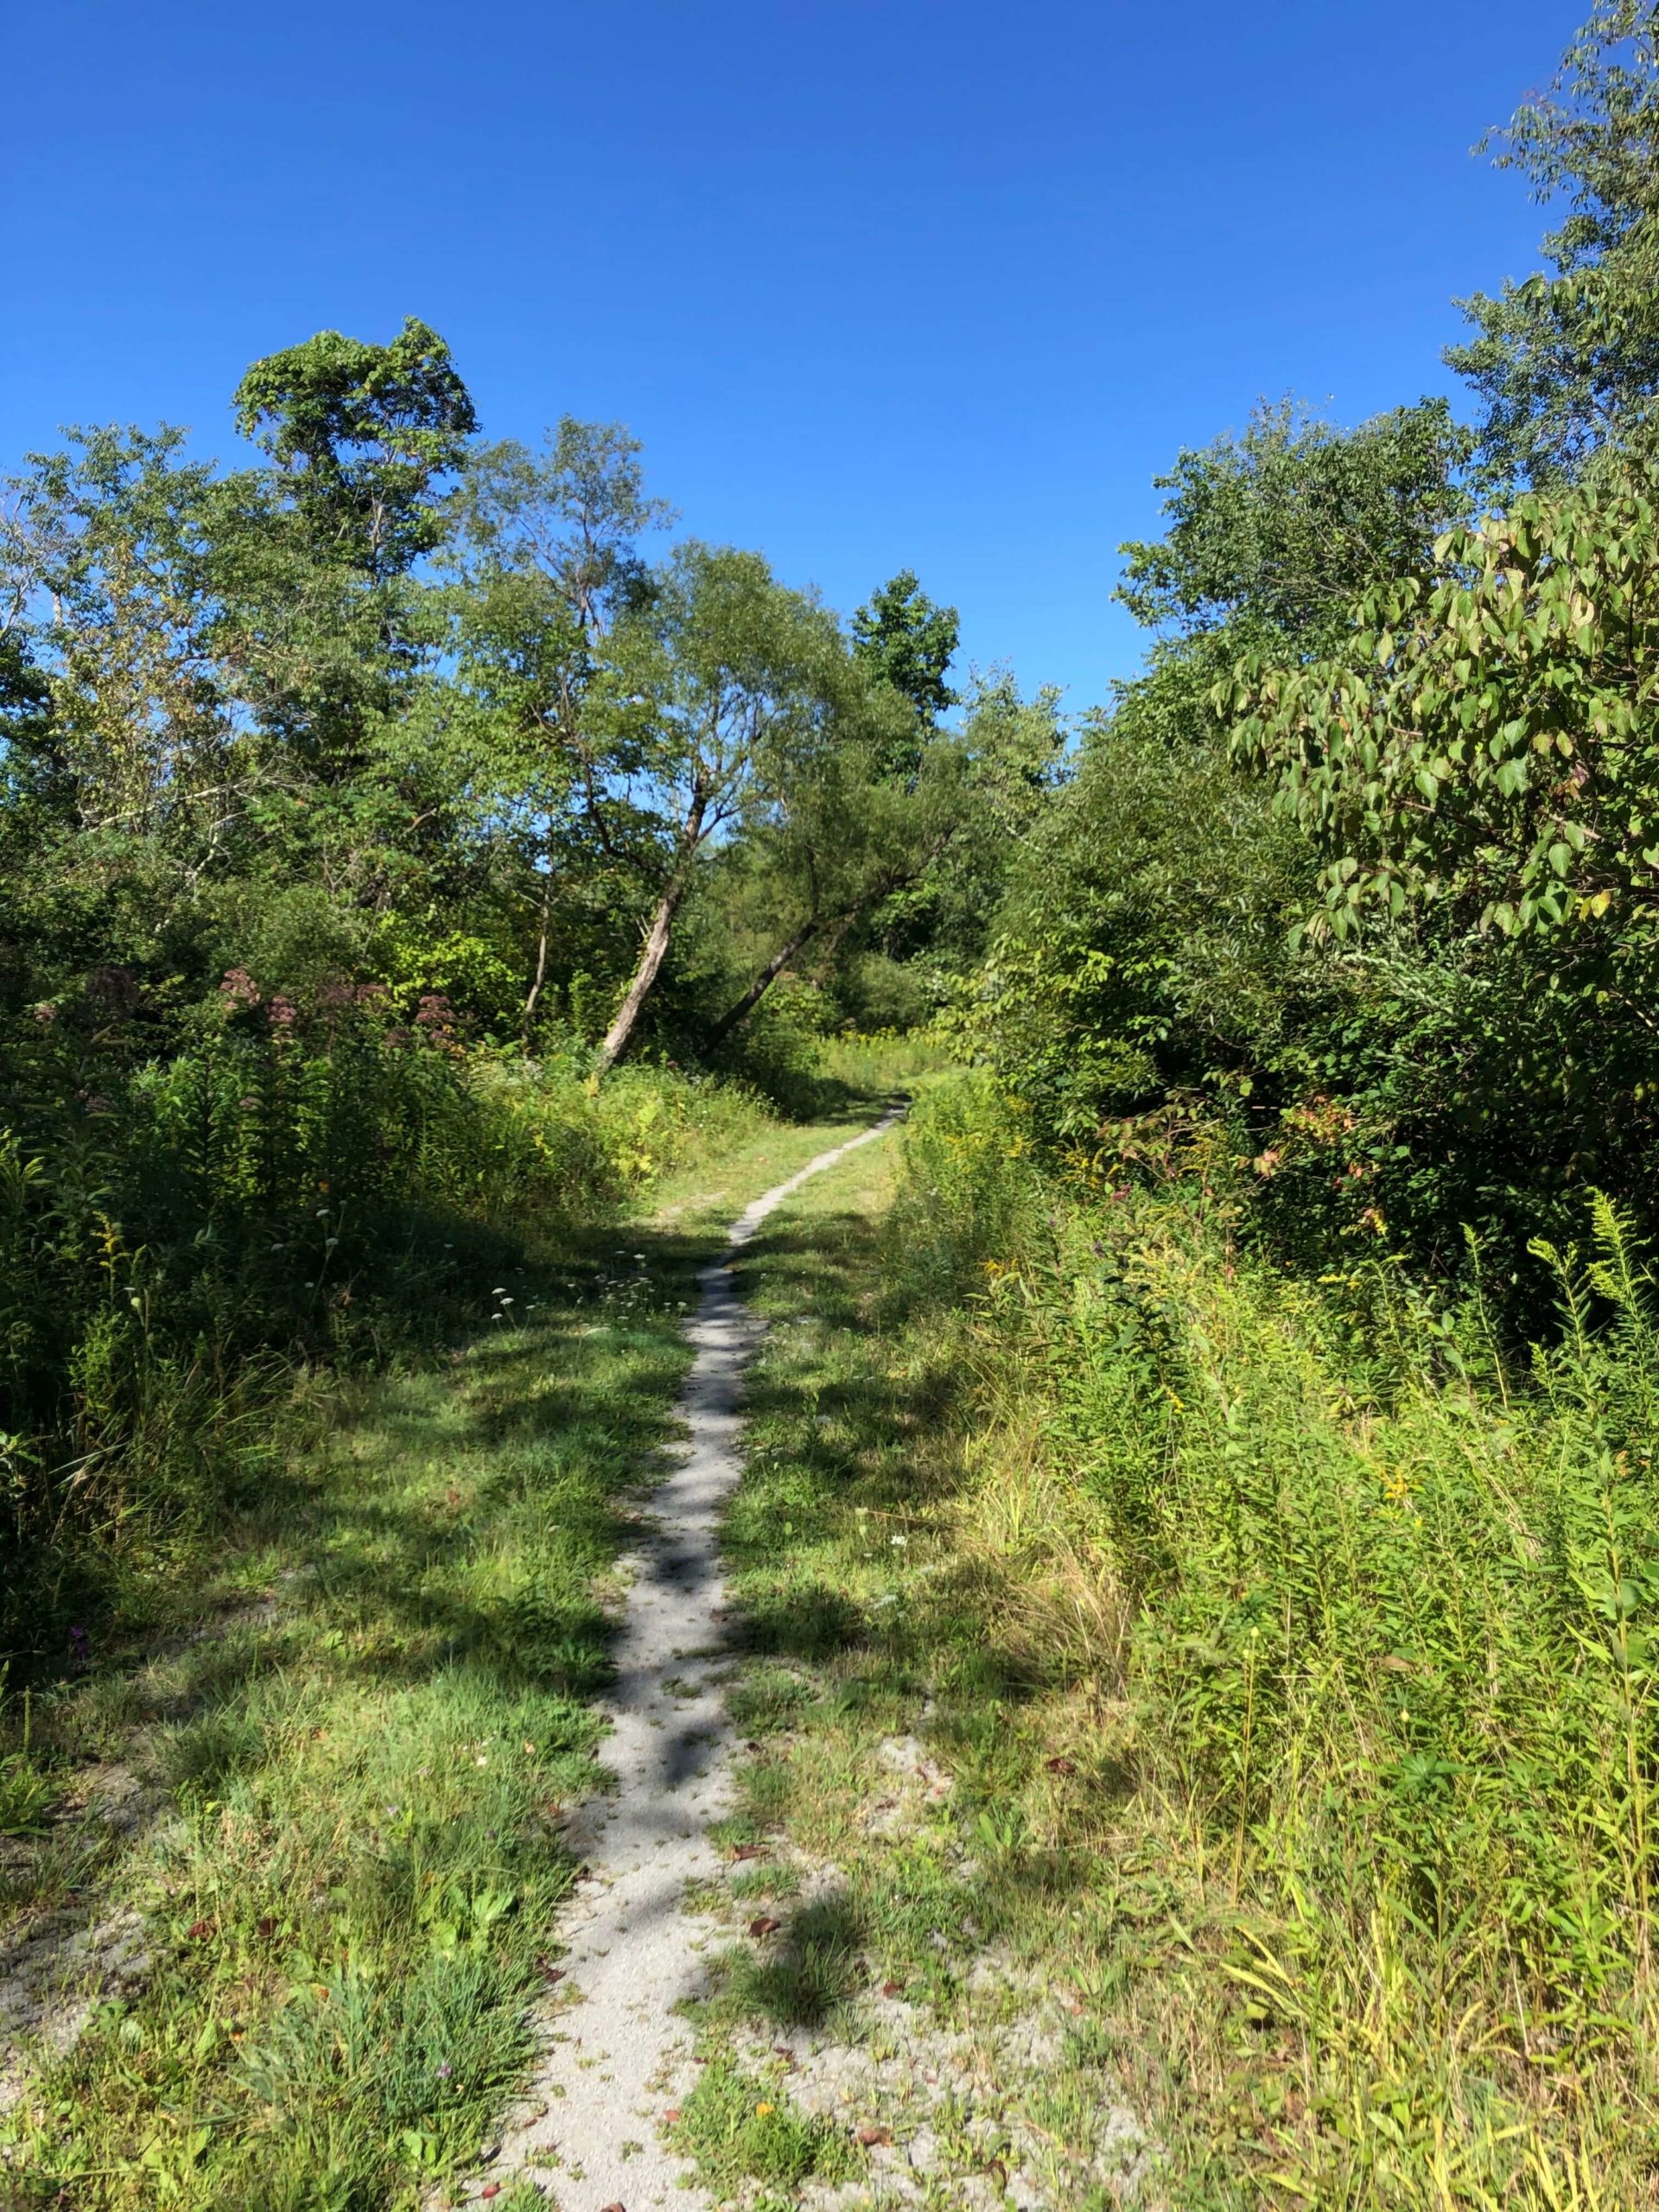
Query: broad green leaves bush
[[1484, 736]]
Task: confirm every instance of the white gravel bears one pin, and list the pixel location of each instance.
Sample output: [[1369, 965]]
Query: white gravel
[[617, 2052]]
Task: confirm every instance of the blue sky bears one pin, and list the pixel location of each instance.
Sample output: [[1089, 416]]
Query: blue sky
[[880, 283]]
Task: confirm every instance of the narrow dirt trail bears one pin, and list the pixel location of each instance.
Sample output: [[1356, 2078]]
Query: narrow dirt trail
[[616, 2047]]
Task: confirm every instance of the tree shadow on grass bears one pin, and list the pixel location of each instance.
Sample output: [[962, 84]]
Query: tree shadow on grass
[[458, 1517], [881, 1446], [811, 1968]]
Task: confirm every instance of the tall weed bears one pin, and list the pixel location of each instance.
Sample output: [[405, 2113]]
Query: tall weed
[[1389, 1656]]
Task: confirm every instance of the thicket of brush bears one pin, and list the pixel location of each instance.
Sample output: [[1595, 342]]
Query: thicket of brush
[[1378, 1596]]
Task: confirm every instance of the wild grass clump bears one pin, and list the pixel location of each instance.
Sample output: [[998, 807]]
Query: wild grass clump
[[741, 2128], [1379, 1604]]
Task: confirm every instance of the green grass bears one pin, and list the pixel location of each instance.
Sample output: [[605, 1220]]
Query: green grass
[[1278, 1653], [344, 1774], [741, 2128], [862, 1626], [1287, 1656]]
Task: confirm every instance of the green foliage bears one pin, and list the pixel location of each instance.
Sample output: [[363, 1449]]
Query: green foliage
[[1148, 983], [980, 790], [908, 642], [139, 745], [1483, 739], [1568, 363], [361, 433], [1276, 531], [1139, 949], [717, 693]]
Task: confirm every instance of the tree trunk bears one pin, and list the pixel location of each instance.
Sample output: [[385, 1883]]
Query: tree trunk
[[756, 990], [541, 960], [651, 959]]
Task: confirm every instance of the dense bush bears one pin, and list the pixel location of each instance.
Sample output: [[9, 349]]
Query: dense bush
[[1391, 1090]]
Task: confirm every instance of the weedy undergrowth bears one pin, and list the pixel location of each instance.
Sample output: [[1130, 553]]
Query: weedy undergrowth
[[1287, 1646], [1381, 1603]]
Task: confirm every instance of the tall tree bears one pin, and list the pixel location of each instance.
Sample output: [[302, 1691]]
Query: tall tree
[[716, 701], [111, 535], [846, 834], [324, 622], [1272, 532], [361, 435], [904, 638], [908, 643], [546, 558], [1568, 360]]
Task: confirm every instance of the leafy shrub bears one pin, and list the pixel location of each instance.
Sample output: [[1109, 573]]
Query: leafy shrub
[[1391, 1089]]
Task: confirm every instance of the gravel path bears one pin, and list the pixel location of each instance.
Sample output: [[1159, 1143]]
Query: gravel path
[[618, 2052]]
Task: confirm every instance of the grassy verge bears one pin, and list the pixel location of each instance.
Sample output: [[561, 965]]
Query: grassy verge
[[309, 1846], [234, 1218], [1182, 1694], [916, 1995]]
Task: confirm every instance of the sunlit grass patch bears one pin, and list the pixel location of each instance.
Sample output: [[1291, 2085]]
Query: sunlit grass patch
[[1285, 1670], [356, 1855], [349, 1779], [741, 2128]]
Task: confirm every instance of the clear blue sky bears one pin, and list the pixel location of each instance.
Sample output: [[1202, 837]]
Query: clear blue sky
[[880, 283]]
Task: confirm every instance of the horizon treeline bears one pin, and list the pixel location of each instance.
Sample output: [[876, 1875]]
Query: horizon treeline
[[374, 815], [425, 695]]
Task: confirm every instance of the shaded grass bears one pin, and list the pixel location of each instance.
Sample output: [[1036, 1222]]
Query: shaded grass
[[351, 1769], [256, 1203]]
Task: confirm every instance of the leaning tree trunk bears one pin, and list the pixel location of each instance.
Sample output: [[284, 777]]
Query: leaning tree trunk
[[751, 998], [529, 1015], [651, 959]]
